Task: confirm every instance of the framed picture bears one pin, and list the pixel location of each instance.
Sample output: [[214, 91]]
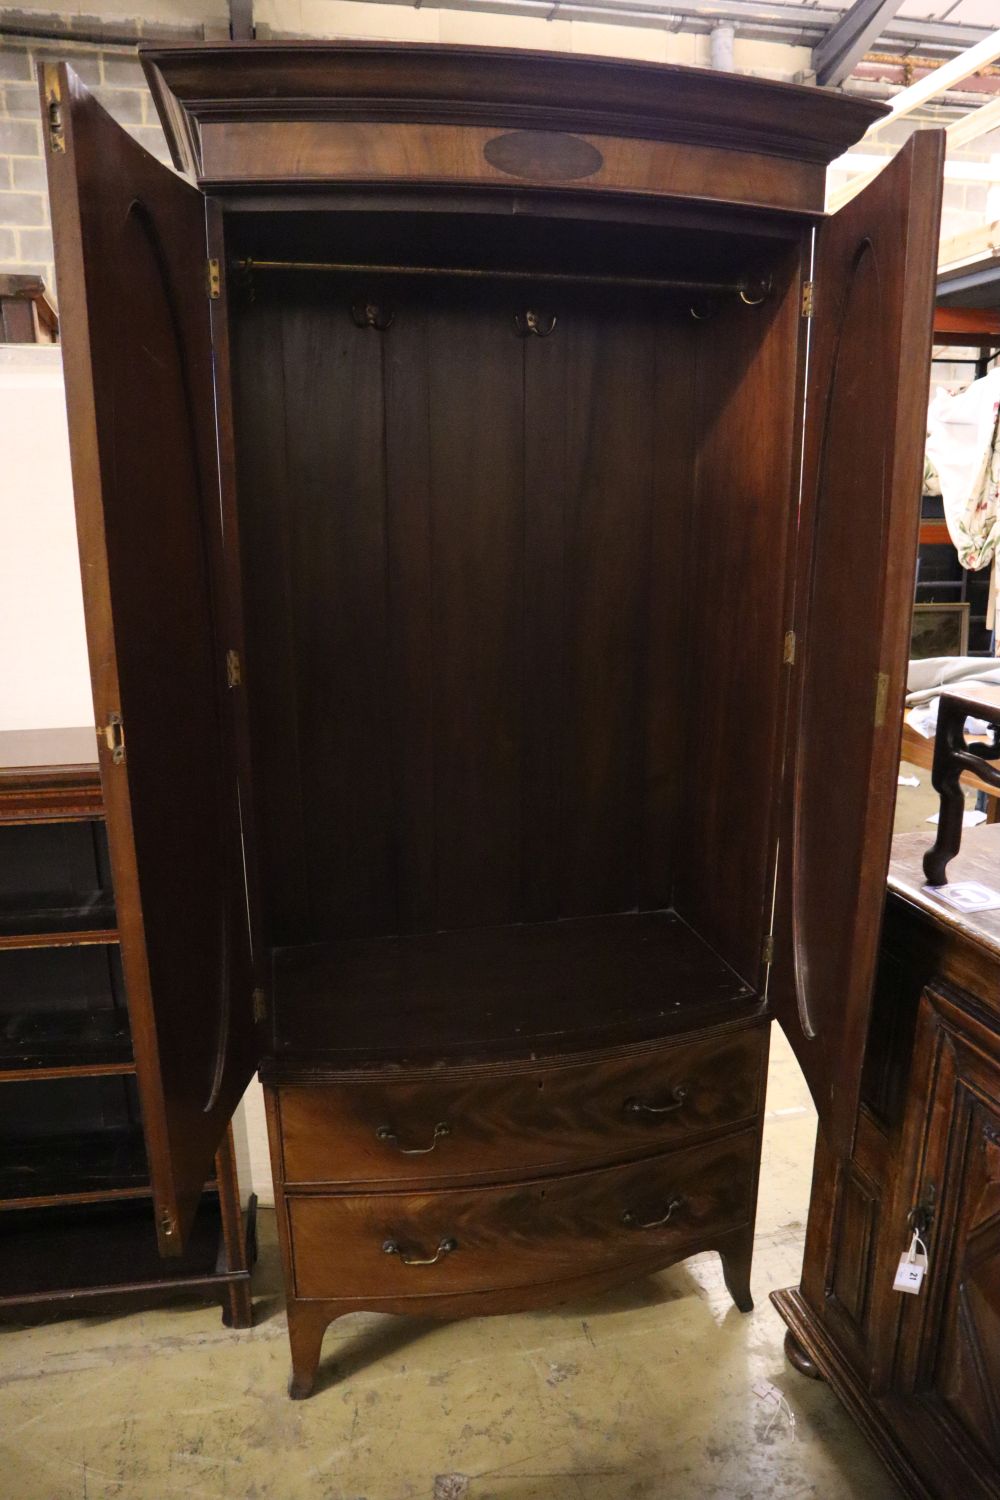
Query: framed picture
[[939, 630]]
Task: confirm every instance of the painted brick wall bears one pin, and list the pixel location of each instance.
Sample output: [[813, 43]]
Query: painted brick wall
[[113, 73]]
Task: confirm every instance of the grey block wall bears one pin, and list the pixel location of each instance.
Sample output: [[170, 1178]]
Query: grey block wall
[[114, 75]]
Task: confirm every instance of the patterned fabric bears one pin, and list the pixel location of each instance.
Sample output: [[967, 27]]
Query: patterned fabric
[[963, 458], [975, 524], [932, 479]]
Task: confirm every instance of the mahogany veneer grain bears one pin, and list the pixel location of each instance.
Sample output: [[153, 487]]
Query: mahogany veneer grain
[[519, 1235], [541, 1116]]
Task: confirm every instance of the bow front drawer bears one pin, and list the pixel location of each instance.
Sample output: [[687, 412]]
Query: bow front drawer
[[540, 1118], [391, 1245]]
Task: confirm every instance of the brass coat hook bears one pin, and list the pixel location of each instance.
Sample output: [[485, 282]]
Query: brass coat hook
[[532, 322], [371, 314]]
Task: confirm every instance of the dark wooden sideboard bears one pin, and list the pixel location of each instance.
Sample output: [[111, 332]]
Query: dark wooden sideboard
[[450, 507], [27, 316], [920, 1373], [76, 1211]]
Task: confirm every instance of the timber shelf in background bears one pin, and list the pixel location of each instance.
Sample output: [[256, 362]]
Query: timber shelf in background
[[74, 1168], [69, 1043], [54, 1247], [91, 921]]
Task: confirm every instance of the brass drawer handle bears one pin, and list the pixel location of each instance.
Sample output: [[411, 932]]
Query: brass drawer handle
[[386, 1133], [678, 1097], [392, 1247], [629, 1216]]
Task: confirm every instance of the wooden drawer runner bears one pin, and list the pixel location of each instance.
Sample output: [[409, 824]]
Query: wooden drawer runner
[[368, 1246], [542, 1118]]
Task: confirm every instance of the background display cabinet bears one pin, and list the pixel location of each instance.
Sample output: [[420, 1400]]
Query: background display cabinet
[[484, 450], [77, 1227]]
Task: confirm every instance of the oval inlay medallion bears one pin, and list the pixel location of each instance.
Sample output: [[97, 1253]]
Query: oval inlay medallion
[[543, 155]]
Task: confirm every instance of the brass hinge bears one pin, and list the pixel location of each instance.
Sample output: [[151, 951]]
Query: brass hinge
[[53, 107], [114, 736], [214, 279], [260, 1006], [808, 298], [233, 676], [767, 953], [881, 698], [168, 1225], [788, 653]]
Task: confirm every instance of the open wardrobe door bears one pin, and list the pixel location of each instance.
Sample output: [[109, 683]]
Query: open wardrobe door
[[866, 410], [133, 298]]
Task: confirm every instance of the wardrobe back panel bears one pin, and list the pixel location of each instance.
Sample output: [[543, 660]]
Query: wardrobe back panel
[[464, 557], [608, 481]]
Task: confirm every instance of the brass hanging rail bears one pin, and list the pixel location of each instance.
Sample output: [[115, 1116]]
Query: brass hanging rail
[[751, 289]]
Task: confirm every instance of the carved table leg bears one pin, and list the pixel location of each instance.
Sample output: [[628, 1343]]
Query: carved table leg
[[799, 1359], [307, 1324], [946, 778], [737, 1258]]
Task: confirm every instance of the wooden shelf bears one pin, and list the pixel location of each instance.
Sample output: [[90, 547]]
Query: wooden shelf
[[104, 1250], [74, 1169], [501, 992], [34, 924], [65, 1044], [77, 937]]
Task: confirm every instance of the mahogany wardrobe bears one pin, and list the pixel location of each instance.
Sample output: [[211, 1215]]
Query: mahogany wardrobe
[[497, 489]]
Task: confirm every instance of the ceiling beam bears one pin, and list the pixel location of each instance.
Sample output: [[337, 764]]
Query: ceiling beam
[[786, 21], [976, 123], [907, 100], [846, 43], [972, 327], [970, 246], [954, 71]]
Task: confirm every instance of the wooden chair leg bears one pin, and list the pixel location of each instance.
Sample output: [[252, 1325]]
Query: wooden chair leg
[[307, 1323], [946, 778], [737, 1258]]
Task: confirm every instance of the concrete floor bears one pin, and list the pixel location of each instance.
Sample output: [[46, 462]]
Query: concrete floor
[[648, 1394], [660, 1392]]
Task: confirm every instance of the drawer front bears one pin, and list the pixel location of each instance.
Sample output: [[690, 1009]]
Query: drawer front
[[536, 1120], [390, 1245]]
